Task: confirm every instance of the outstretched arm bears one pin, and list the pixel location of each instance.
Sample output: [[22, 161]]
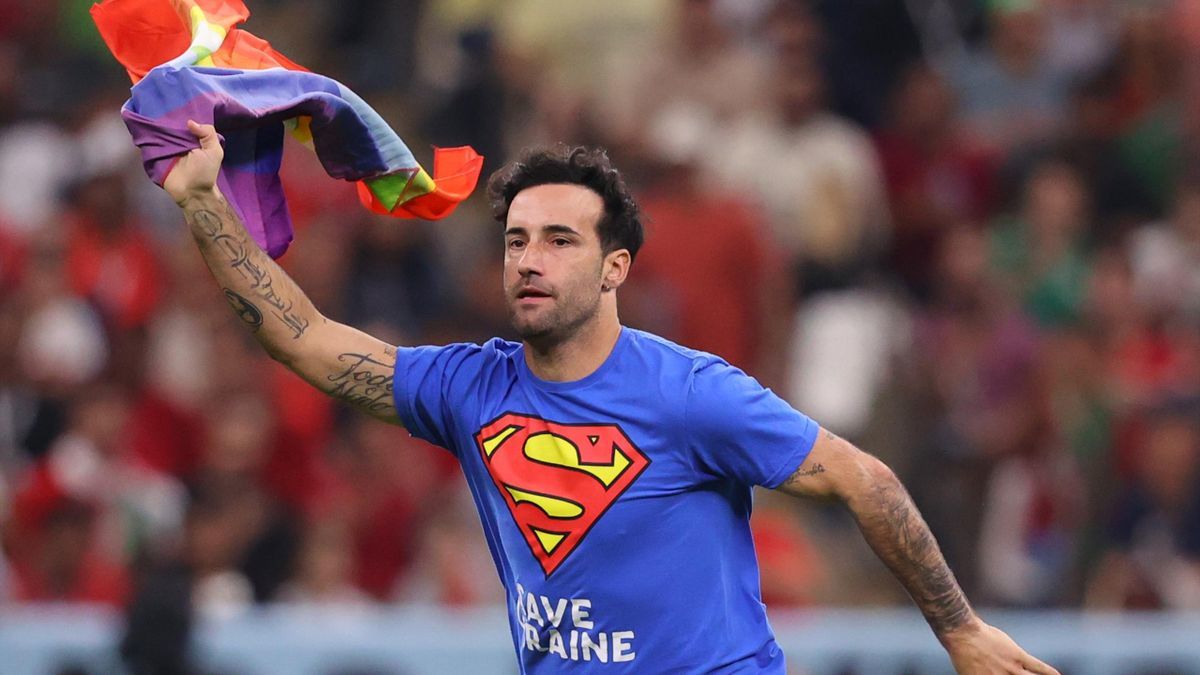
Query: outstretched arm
[[897, 533], [337, 359]]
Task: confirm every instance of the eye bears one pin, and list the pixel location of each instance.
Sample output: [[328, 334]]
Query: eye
[[516, 244], [561, 242]]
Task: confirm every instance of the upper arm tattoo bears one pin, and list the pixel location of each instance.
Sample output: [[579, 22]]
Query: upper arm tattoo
[[365, 381], [795, 483], [807, 471]]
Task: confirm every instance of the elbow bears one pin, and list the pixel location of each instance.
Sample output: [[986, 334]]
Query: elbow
[[870, 476], [283, 354], [278, 353], [292, 351], [877, 472]]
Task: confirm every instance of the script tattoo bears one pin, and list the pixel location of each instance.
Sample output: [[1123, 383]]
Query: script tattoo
[[241, 257], [793, 481], [365, 381], [245, 309], [900, 536], [809, 471]]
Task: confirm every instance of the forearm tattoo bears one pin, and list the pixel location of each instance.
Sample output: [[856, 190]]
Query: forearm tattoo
[[365, 381], [245, 309], [896, 531], [216, 232]]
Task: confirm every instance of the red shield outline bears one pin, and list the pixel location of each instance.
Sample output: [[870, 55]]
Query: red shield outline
[[558, 479]]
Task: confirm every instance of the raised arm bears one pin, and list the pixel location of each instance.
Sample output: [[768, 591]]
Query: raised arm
[[341, 361], [895, 530]]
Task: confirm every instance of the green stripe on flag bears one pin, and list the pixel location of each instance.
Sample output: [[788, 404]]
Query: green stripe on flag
[[400, 187]]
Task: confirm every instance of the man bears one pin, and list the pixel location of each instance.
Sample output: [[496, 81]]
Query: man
[[612, 469]]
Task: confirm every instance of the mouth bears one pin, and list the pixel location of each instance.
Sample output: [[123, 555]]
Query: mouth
[[532, 293]]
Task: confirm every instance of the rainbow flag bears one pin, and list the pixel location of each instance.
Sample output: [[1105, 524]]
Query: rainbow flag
[[188, 60]]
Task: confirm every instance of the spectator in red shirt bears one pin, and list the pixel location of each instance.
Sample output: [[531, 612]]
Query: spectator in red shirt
[[59, 560], [935, 177], [109, 259]]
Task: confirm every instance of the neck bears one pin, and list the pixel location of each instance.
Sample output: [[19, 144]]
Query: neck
[[580, 354]]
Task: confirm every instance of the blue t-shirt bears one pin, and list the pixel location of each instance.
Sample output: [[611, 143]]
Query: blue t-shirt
[[616, 507]]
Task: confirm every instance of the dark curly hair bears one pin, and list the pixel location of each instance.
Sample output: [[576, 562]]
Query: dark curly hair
[[621, 224]]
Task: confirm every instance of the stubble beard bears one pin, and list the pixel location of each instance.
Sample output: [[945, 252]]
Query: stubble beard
[[557, 326]]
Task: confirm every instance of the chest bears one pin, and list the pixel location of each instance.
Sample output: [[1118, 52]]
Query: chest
[[562, 471]]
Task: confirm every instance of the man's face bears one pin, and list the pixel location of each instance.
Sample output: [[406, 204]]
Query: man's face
[[553, 261]]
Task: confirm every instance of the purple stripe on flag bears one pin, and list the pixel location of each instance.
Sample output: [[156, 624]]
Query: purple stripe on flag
[[248, 109]]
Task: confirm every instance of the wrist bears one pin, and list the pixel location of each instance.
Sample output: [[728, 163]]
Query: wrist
[[968, 629], [194, 198]]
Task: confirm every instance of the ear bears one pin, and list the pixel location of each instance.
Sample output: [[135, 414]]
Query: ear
[[616, 268]]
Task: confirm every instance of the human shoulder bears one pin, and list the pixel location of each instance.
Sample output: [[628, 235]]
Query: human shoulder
[[438, 385], [493, 348], [722, 396], [667, 374], [734, 428], [457, 358], [671, 354], [701, 373]]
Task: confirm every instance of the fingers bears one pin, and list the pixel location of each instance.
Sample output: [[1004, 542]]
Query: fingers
[[205, 133], [1032, 665]]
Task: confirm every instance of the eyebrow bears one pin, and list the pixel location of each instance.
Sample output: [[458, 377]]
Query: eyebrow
[[554, 228]]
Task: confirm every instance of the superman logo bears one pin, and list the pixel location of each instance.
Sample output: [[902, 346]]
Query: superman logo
[[557, 479]]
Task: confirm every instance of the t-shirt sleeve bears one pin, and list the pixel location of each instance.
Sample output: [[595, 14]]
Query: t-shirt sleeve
[[739, 430], [426, 380]]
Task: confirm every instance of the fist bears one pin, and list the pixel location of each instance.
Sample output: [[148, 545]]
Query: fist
[[981, 649], [195, 173]]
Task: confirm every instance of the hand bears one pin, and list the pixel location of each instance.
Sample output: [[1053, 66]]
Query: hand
[[980, 649], [196, 172]]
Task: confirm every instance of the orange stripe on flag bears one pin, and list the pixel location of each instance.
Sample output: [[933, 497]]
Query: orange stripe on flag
[[143, 34], [455, 170]]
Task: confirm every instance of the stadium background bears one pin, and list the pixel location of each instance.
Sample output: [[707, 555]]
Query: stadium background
[[965, 235]]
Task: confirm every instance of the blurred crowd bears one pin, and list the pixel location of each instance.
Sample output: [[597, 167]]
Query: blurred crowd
[[964, 235]]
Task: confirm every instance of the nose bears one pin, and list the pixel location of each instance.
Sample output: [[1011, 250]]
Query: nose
[[530, 260]]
